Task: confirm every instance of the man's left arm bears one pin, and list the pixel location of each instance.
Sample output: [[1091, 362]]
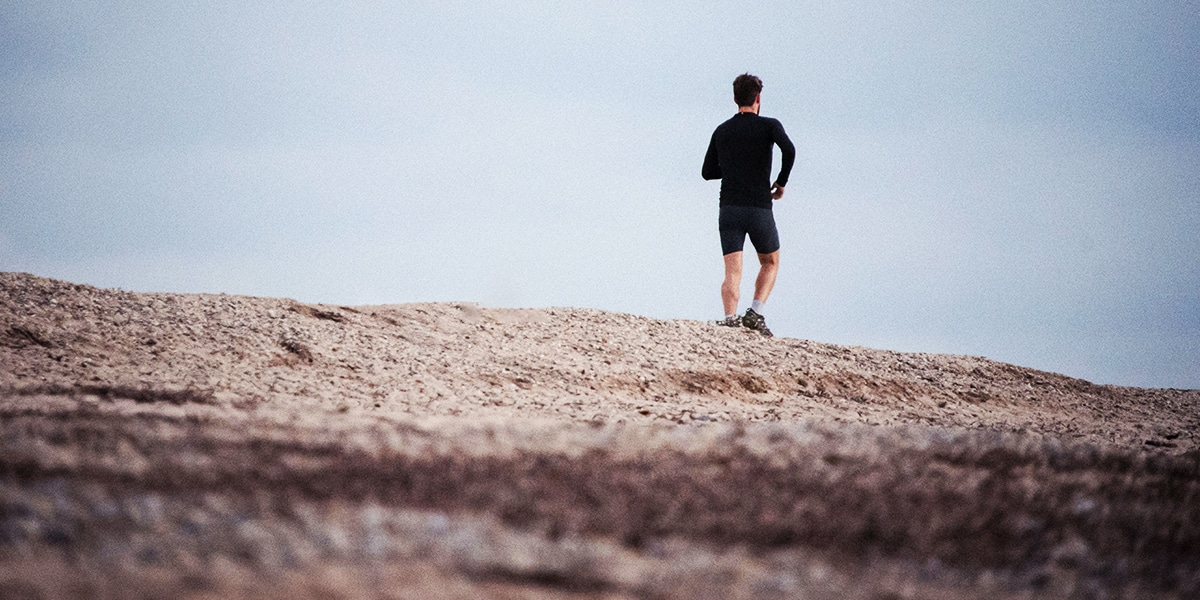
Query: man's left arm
[[779, 136]]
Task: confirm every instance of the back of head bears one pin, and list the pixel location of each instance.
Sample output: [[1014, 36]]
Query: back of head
[[746, 88]]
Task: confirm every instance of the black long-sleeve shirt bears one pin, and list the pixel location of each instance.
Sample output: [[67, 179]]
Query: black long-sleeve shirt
[[739, 154]]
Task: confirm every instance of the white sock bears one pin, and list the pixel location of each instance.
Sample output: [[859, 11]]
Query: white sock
[[757, 306], [730, 316]]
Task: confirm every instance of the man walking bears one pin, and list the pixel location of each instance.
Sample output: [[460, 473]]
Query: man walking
[[739, 154]]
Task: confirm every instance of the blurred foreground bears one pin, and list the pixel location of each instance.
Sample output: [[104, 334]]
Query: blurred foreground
[[157, 445]]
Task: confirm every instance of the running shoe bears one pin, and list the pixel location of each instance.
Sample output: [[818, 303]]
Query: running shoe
[[757, 322], [730, 322]]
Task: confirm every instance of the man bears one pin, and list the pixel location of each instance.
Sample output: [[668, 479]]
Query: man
[[739, 154]]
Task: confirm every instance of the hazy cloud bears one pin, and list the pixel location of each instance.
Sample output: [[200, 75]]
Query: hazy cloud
[[1019, 180]]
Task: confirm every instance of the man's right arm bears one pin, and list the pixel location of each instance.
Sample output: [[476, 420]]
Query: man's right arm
[[712, 166]]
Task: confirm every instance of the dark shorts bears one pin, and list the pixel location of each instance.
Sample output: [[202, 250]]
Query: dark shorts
[[736, 222]]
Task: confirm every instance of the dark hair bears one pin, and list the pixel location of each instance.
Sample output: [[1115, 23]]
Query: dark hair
[[745, 89]]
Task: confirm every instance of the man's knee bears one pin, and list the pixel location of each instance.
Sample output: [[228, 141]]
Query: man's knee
[[733, 264], [769, 260]]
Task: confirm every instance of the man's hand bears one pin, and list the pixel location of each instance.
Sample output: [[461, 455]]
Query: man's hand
[[776, 192]]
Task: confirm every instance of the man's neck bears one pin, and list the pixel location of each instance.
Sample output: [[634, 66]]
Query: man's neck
[[748, 109]]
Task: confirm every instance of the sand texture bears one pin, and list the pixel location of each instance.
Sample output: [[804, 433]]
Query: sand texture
[[215, 446]]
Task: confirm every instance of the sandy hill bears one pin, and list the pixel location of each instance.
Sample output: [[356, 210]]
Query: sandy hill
[[216, 446]]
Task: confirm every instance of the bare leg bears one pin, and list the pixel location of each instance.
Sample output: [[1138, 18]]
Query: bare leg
[[733, 281], [768, 269]]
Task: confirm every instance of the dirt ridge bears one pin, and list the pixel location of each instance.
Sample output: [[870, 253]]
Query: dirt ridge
[[460, 359]]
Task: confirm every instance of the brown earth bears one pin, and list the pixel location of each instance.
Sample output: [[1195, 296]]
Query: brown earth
[[169, 445]]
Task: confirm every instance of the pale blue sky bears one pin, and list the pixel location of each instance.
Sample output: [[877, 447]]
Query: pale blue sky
[[1019, 181]]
